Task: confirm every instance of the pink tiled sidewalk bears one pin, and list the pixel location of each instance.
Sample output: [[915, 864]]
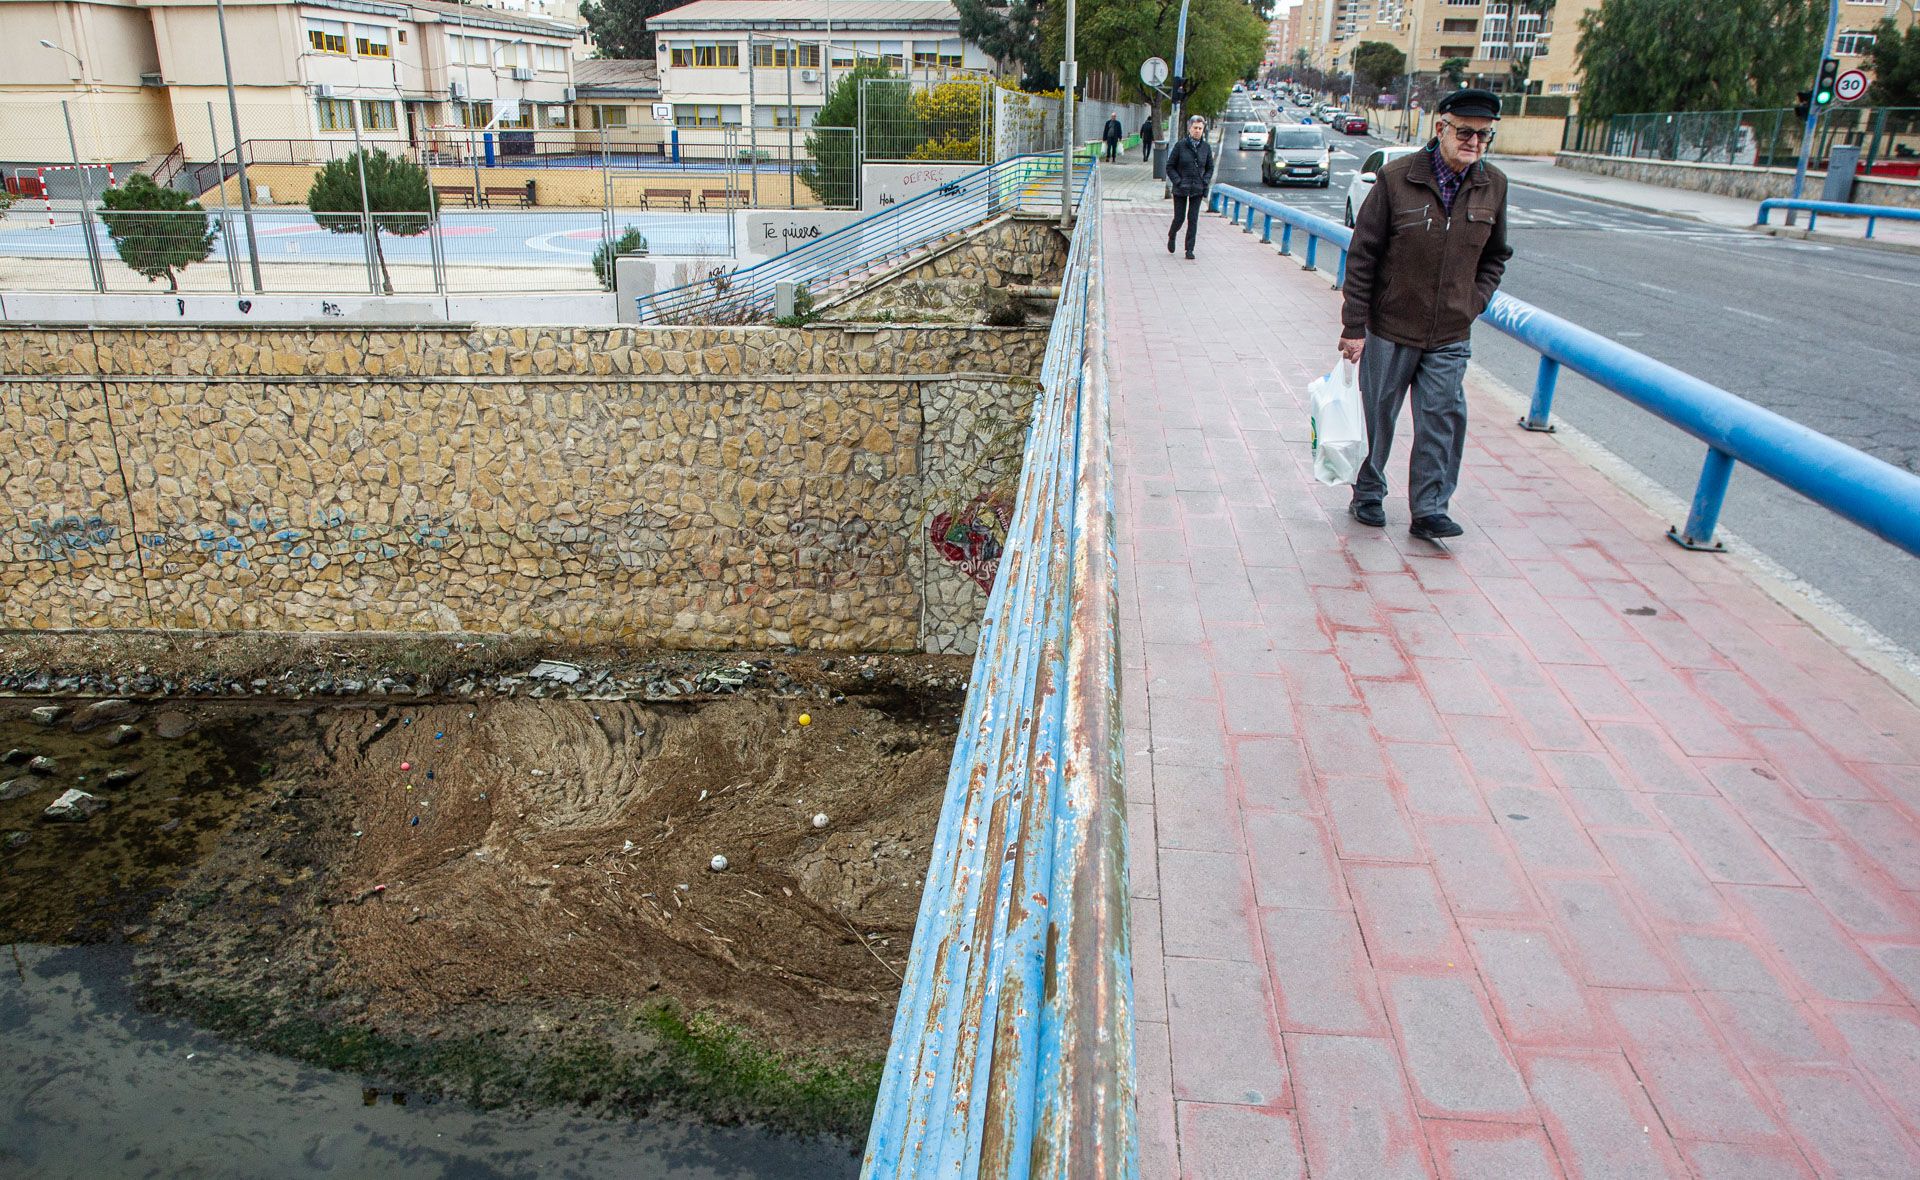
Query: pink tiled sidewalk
[[1566, 853]]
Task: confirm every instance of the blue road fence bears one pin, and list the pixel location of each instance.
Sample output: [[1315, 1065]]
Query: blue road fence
[[1813, 210], [1012, 1051], [1874, 494], [1020, 184]]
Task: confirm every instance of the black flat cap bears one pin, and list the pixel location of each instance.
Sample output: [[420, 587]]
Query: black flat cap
[[1475, 104]]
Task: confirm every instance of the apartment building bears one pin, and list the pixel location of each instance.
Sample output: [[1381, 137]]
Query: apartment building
[[759, 66], [141, 75], [1489, 35]]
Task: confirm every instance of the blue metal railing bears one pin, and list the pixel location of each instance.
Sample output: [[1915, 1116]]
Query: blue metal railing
[[1020, 184], [1876, 495], [1814, 209], [1012, 1052]]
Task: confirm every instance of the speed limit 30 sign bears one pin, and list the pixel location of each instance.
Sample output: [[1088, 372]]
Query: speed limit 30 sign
[[1850, 86]]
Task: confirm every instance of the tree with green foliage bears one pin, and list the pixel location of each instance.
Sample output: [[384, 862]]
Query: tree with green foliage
[[1454, 70], [399, 196], [829, 169], [1895, 61], [1377, 63], [1225, 42], [1641, 56], [1009, 32], [630, 241], [619, 27], [157, 231]]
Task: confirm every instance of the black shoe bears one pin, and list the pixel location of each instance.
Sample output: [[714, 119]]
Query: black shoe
[[1368, 512], [1434, 528], [1189, 256], [1169, 243]]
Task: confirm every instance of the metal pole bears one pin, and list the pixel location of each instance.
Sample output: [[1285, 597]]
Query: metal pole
[[226, 224], [1813, 108], [1068, 69], [753, 127], [1176, 121], [94, 266], [368, 243], [793, 117], [239, 150], [466, 110]]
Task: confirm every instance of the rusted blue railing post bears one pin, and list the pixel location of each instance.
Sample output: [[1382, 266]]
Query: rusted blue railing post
[[1540, 413]]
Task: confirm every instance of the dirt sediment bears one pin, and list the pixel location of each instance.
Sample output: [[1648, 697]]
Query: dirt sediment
[[523, 877]]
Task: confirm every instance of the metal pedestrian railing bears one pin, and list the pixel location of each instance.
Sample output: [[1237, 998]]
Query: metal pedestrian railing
[[1022, 184], [1012, 1052], [1814, 209], [1874, 494]]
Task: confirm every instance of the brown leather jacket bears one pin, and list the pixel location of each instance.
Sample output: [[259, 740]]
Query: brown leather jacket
[[1415, 275]]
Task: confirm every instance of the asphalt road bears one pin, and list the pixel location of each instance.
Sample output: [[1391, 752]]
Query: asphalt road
[[1824, 335]]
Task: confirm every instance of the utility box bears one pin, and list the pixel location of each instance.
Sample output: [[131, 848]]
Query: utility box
[[1843, 161], [1160, 159]]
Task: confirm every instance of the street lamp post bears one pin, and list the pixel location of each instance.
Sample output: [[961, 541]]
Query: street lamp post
[[239, 150], [1175, 127], [1067, 80]]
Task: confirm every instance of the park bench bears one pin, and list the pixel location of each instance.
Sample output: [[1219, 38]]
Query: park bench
[[507, 194], [453, 194], [669, 197], [721, 198]]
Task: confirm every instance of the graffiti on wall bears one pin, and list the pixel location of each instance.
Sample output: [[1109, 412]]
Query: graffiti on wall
[[60, 538], [258, 537], [974, 537]]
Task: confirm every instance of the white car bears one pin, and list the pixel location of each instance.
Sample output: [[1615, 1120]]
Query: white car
[[1362, 182], [1253, 137]]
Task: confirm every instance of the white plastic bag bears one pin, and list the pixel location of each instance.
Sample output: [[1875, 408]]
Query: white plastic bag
[[1339, 422]]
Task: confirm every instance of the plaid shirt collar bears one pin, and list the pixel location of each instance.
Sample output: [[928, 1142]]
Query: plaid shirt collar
[[1445, 177]]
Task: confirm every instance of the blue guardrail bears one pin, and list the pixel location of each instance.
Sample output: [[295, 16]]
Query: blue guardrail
[[1876, 495], [1012, 1052], [1813, 210]]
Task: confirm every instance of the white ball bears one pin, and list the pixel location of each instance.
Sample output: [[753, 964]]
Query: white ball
[[718, 864], [820, 820]]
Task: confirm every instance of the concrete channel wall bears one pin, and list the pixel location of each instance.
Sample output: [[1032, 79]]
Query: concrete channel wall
[[830, 487]]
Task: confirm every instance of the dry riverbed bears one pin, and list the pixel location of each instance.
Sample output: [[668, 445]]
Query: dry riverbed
[[479, 880]]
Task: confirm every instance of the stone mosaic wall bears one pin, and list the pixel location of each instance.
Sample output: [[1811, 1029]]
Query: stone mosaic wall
[[952, 285], [830, 488]]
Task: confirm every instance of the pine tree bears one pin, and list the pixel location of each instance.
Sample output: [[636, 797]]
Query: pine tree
[[399, 196], [156, 231]]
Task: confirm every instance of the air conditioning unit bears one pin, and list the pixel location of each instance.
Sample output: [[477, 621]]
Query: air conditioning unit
[[572, 94], [323, 90], [522, 74], [809, 75], [456, 92]]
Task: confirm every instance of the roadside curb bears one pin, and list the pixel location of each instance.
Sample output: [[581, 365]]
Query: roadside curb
[[1800, 235]]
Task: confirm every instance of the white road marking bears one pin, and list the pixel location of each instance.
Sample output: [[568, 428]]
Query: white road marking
[[1659, 288], [1750, 314]]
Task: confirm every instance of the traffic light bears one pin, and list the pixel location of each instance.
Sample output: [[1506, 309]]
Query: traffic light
[[1804, 107], [1823, 89], [1179, 90]]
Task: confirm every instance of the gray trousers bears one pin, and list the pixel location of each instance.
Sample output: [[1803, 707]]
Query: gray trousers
[[1436, 376]]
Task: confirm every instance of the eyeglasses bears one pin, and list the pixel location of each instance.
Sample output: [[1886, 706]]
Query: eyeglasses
[[1469, 134]]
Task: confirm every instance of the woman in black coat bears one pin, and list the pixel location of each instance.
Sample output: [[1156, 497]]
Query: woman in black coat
[[1189, 174]]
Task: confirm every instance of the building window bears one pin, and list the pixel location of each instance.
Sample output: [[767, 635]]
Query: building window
[[1458, 26], [377, 116], [521, 121], [336, 114], [950, 60], [474, 114], [1852, 44], [551, 58], [327, 36], [613, 117], [776, 117], [780, 56], [706, 56], [705, 115], [553, 116], [370, 41]]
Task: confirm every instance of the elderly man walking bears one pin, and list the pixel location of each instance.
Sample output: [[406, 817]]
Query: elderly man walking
[[1113, 133], [1429, 247], [1189, 175]]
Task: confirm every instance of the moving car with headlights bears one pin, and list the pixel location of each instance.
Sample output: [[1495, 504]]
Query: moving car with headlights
[[1362, 182], [1253, 136], [1297, 154]]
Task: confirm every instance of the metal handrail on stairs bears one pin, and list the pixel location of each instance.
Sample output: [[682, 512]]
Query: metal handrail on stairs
[[1020, 184]]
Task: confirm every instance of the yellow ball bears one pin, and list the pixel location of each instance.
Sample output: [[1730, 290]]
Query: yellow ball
[[806, 719]]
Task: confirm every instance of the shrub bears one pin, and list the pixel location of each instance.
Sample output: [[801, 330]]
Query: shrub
[[157, 231], [630, 241]]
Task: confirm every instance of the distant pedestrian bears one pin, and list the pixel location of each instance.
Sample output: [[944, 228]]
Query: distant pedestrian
[[1148, 133], [1113, 133], [1429, 247], [1189, 172]]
